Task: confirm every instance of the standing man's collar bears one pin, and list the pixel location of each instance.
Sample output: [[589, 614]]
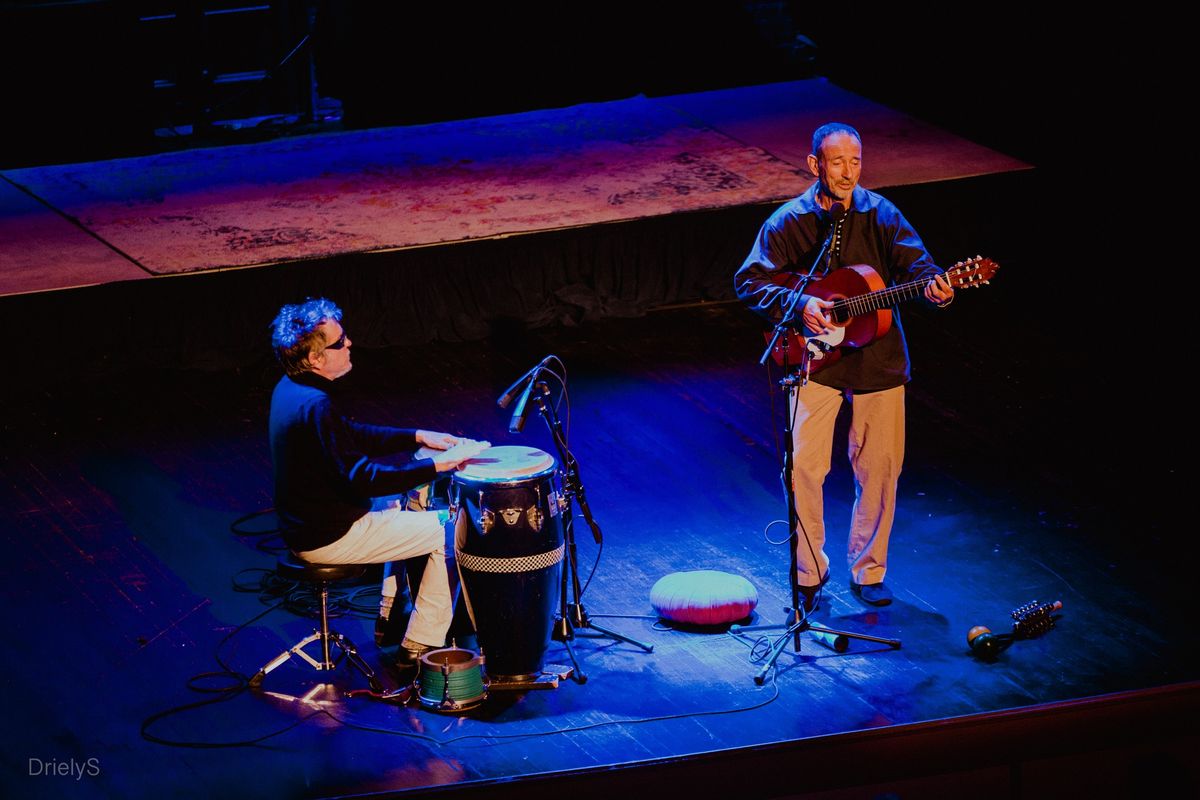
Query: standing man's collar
[[810, 205]]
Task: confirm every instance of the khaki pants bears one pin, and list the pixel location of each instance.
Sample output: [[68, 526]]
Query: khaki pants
[[394, 534], [876, 455]]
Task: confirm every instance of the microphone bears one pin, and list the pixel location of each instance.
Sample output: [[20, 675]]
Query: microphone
[[521, 409], [512, 391], [836, 212], [823, 257]]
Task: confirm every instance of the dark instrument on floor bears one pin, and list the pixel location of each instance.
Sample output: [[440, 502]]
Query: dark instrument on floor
[[1030, 620], [509, 543], [1033, 619], [451, 680], [862, 307]]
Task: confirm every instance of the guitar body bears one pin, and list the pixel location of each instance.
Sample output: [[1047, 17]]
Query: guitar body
[[848, 331], [862, 309]]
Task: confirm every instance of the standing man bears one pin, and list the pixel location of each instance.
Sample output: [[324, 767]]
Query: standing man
[[327, 470], [871, 231]]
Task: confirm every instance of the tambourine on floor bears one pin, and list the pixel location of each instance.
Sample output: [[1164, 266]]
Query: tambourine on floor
[[453, 680]]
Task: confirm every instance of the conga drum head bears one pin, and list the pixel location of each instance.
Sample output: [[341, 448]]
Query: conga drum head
[[506, 464]]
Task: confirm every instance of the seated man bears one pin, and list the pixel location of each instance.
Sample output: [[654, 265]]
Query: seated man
[[328, 468]]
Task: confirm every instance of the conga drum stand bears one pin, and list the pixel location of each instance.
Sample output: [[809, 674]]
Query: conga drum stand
[[572, 616]]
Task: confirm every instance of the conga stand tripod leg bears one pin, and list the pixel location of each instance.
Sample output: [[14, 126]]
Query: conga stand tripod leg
[[572, 615], [564, 627]]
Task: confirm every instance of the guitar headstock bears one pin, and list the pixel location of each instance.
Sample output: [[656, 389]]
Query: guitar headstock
[[972, 272]]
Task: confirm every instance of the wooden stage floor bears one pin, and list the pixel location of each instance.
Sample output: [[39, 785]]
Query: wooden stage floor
[[1026, 478], [119, 497]]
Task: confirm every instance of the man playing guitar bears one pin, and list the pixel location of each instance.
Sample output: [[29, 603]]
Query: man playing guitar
[[857, 227]]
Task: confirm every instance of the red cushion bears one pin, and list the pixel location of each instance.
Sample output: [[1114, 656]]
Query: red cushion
[[703, 597]]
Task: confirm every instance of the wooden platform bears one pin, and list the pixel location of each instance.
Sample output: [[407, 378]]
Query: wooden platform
[[322, 196]]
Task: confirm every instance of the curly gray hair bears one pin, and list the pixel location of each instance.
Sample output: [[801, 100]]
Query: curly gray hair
[[296, 332]]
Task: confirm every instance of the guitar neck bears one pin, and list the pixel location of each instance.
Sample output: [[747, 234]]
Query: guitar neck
[[880, 299]]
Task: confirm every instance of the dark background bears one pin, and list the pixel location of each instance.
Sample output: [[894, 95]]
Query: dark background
[[81, 76]]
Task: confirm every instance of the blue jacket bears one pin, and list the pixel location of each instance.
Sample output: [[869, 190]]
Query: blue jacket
[[873, 232]]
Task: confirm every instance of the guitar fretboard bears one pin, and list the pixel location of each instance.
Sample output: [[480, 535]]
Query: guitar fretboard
[[874, 301], [972, 273]]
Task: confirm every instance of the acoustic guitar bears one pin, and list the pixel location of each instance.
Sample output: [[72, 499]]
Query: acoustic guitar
[[862, 308]]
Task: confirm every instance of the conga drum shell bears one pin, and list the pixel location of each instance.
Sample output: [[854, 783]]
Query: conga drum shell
[[509, 548]]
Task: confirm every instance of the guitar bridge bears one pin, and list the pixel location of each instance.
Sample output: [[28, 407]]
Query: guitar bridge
[[817, 348]]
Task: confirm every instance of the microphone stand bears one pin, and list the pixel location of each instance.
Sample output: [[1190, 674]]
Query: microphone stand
[[572, 615], [798, 617], [789, 312]]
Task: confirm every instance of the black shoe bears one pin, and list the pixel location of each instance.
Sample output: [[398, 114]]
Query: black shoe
[[809, 595], [808, 598], [408, 656], [390, 630], [873, 594]]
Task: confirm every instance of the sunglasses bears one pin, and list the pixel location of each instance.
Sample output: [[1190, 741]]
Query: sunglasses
[[337, 345]]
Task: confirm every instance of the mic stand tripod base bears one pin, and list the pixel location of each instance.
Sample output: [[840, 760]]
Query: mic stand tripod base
[[581, 622], [794, 628]]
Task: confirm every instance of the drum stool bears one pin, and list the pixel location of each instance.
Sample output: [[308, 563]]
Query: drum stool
[[321, 576]]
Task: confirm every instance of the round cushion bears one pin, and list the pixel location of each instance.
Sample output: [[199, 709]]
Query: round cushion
[[703, 597]]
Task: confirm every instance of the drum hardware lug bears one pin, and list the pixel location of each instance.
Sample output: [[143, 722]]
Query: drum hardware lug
[[486, 518], [510, 516], [533, 514], [447, 703]]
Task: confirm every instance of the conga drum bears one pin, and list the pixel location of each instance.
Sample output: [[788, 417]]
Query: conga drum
[[509, 547]]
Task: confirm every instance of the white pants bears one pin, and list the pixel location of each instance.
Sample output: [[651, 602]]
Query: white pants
[[876, 450], [394, 534]]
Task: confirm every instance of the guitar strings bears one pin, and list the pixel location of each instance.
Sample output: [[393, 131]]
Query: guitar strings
[[893, 295]]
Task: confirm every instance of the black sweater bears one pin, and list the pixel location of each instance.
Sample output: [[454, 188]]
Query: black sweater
[[325, 467]]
